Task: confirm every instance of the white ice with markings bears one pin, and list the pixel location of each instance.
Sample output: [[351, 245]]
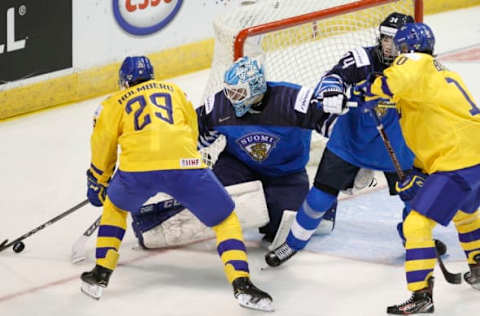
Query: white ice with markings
[[357, 270]]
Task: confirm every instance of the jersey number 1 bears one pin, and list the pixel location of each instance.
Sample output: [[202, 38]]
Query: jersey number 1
[[166, 108], [474, 110]]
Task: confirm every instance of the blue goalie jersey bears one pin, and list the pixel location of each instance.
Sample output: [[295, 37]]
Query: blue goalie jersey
[[354, 136], [274, 138]]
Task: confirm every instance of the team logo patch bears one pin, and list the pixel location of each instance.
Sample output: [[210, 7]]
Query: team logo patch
[[258, 145], [381, 112], [143, 17]]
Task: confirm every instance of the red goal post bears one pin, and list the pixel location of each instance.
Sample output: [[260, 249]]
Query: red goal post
[[314, 16]]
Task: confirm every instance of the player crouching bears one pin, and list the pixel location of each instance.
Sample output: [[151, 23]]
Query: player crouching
[[156, 127]]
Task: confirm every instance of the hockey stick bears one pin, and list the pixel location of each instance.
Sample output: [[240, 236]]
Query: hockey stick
[[453, 278], [5, 244], [78, 248], [79, 253]]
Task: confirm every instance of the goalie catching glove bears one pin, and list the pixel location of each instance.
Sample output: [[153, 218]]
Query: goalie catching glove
[[410, 185], [96, 192]]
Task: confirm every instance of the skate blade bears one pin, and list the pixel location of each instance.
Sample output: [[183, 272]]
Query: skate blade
[[94, 291], [264, 304]]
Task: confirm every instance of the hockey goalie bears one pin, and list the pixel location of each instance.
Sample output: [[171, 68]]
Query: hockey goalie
[[256, 135]]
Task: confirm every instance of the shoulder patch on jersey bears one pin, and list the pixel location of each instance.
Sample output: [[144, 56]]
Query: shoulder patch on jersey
[[209, 102], [97, 114], [303, 99], [361, 57]]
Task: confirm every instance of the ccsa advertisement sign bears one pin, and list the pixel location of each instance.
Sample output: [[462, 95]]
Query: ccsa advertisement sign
[[143, 17]]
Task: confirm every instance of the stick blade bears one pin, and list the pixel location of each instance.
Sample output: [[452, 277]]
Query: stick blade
[[453, 278], [78, 250]]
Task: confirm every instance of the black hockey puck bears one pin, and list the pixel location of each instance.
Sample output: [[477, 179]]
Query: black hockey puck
[[18, 247]]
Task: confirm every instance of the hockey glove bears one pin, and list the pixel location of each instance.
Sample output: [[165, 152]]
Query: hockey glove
[[334, 102], [96, 192], [330, 94], [410, 185], [363, 96]]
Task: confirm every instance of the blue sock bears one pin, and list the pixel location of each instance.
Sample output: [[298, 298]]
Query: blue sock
[[308, 217]]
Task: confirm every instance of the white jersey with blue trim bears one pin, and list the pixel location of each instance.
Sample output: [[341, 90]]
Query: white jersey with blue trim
[[274, 139], [354, 137]]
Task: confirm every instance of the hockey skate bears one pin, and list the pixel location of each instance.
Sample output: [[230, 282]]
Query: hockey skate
[[279, 255], [473, 276], [248, 295], [94, 281], [420, 302]]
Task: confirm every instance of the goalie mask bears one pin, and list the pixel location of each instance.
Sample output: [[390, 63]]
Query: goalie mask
[[244, 84], [135, 70], [388, 28]]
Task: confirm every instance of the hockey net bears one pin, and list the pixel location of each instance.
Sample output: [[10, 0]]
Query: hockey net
[[298, 40]]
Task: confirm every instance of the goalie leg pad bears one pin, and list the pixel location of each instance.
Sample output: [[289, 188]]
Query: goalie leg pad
[[184, 227], [152, 215]]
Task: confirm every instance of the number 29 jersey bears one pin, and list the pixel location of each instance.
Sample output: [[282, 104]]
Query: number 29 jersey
[[439, 119], [155, 126]]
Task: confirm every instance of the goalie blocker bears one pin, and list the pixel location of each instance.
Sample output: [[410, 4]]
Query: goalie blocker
[[166, 223]]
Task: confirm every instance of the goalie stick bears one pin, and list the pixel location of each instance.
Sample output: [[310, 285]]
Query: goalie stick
[[453, 278], [5, 244], [78, 248], [79, 251]]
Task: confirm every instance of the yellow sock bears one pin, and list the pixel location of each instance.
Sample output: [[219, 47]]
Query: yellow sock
[[231, 248], [110, 234]]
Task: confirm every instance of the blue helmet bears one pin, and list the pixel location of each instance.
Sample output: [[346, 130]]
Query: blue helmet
[[244, 84], [415, 37], [134, 70]]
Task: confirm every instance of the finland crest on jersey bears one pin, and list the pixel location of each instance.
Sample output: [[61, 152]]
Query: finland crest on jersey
[[258, 145]]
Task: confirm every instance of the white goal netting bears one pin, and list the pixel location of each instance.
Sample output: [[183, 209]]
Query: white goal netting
[[298, 40]]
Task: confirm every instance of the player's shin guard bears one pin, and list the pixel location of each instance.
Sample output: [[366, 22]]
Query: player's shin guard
[[468, 227], [110, 234], [306, 221], [420, 257], [232, 250], [231, 247], [308, 217], [111, 231]]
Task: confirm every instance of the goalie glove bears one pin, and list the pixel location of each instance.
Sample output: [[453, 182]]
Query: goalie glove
[[207, 139], [410, 185], [96, 192], [211, 146], [330, 93]]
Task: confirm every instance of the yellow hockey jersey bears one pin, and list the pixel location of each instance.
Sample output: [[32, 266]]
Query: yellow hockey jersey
[[155, 126], [439, 119]]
